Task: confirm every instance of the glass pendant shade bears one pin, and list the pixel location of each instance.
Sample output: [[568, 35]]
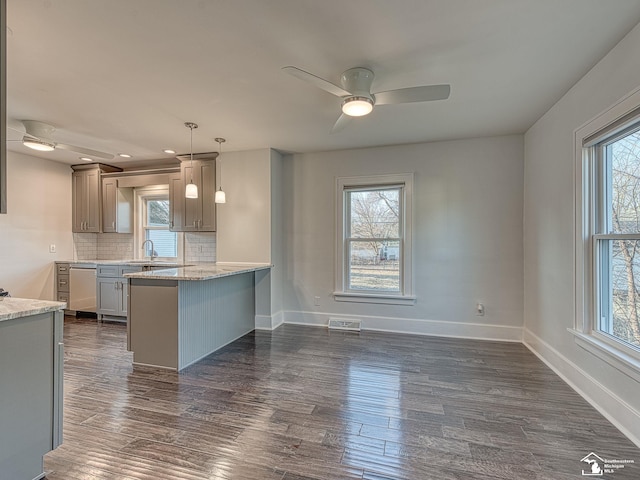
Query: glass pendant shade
[[191, 191], [220, 197]]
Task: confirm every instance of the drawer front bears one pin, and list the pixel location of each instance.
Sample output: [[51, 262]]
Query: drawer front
[[64, 297], [63, 268], [130, 269], [63, 283], [108, 270]]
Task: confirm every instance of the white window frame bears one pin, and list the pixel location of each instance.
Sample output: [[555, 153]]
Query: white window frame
[[589, 231], [141, 194], [406, 294]]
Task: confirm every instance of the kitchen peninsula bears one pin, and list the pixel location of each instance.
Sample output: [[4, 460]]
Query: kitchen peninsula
[[179, 315]]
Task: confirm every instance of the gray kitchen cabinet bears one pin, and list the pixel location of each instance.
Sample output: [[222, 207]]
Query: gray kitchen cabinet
[[117, 207], [87, 197], [62, 282], [112, 290], [176, 202], [31, 355], [194, 214]]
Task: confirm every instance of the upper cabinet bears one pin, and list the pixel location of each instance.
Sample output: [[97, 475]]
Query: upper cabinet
[[194, 214], [117, 207], [87, 196]]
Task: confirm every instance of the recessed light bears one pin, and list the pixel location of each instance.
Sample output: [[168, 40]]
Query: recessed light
[[168, 150], [86, 159], [124, 155]]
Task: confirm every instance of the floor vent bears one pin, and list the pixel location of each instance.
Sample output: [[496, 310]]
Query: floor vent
[[343, 324]]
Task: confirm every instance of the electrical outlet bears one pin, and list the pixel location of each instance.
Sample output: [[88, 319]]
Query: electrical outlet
[[52, 248], [316, 301]]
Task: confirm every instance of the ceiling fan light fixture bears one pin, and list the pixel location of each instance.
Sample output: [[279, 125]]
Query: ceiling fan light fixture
[[357, 106], [37, 144]]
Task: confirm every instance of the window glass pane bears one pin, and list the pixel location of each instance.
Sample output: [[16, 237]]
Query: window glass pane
[[374, 213], [165, 243], [157, 213], [624, 155], [374, 266], [620, 289]]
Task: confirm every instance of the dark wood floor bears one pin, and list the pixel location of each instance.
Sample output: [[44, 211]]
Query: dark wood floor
[[306, 403]]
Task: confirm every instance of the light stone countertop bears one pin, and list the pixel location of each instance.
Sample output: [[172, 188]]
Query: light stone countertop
[[158, 263], [201, 272], [11, 308]]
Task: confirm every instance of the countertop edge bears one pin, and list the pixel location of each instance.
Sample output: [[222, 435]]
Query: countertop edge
[[199, 273], [12, 308]]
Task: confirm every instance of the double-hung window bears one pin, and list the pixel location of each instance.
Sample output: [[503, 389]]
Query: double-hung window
[[617, 237], [608, 236], [374, 239], [153, 224]]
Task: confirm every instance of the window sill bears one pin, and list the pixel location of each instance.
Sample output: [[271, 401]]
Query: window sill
[[374, 298], [626, 364]]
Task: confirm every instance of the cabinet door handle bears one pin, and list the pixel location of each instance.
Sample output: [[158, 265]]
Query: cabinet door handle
[[63, 282], [63, 269]]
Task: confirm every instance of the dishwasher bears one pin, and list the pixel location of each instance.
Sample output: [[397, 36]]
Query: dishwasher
[[82, 287]]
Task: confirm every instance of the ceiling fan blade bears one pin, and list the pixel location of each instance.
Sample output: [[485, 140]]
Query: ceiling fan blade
[[341, 123], [85, 151], [317, 81], [413, 94]]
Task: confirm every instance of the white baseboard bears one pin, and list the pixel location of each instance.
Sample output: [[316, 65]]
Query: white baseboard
[[623, 416], [269, 322], [436, 328]]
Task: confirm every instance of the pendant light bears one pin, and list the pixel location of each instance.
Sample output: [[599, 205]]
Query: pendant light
[[192, 189], [220, 196]]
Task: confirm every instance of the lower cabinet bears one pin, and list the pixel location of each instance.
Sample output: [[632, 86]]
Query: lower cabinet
[[31, 355], [112, 290]]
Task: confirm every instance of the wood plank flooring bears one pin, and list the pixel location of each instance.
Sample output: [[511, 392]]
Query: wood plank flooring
[[303, 403]]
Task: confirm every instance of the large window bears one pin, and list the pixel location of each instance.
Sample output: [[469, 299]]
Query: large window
[[153, 224], [608, 235], [374, 239], [617, 237]]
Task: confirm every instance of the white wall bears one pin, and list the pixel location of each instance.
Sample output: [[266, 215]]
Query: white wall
[[244, 222], [549, 236], [467, 236], [39, 214]]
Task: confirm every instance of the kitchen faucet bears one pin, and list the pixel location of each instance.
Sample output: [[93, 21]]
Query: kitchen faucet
[[153, 251]]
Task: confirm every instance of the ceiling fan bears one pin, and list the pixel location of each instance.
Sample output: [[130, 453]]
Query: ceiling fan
[[355, 92], [39, 136]]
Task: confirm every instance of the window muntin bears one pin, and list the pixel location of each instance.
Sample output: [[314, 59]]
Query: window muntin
[[373, 239], [616, 241]]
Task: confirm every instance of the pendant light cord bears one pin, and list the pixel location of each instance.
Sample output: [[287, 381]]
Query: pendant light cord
[[191, 149]]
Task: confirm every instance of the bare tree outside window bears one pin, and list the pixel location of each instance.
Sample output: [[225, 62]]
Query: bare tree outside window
[[624, 158], [374, 239]]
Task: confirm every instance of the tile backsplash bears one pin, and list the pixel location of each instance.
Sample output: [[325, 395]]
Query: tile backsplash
[[198, 247]]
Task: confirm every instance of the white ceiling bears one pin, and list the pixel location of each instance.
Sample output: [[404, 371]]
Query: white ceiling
[[124, 75]]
